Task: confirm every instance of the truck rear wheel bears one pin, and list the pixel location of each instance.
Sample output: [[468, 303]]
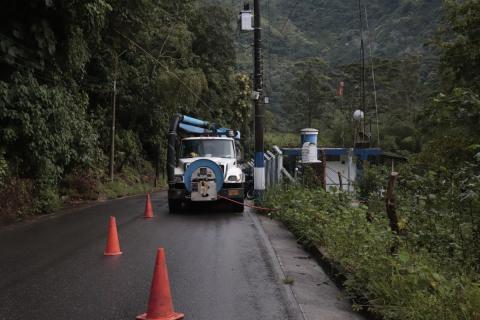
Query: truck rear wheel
[[174, 206]]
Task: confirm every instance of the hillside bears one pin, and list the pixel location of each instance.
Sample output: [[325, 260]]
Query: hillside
[[296, 31]]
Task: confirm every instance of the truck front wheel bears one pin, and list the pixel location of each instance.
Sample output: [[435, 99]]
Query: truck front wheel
[[174, 206]]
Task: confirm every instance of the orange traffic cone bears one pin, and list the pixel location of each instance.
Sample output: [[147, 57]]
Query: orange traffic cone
[[148, 208], [160, 305], [113, 246]]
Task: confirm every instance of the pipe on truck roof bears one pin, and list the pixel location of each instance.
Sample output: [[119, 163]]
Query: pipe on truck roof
[[196, 122], [171, 151]]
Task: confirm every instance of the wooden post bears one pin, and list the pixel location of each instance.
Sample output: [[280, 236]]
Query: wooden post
[[157, 167], [390, 203], [324, 173], [340, 182], [114, 110], [112, 128]]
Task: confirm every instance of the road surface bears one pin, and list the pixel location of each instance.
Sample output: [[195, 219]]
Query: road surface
[[218, 265]]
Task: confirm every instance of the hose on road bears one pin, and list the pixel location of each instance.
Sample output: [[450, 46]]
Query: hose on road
[[247, 205]]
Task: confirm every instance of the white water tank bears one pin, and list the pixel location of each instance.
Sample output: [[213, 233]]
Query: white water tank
[[309, 153]]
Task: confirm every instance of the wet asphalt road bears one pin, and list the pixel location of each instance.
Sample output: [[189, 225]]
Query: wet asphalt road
[[218, 265]]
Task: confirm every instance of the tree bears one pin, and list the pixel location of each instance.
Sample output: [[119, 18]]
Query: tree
[[450, 121], [459, 42], [308, 93], [58, 62]]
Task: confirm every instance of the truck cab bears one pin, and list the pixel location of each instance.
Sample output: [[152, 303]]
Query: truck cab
[[206, 169]]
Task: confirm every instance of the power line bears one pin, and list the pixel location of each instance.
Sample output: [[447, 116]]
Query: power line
[[165, 68], [289, 15]]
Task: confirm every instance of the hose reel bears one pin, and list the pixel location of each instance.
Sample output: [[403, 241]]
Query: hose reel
[[203, 179]]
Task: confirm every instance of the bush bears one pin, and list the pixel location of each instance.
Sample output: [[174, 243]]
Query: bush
[[130, 181], [45, 130], [16, 200], [46, 198], [81, 185], [413, 283], [3, 169]]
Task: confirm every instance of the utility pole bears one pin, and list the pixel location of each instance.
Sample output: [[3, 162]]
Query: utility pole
[[259, 171], [363, 79], [114, 111]]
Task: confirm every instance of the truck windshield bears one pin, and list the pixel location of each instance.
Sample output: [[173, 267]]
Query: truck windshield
[[208, 148]]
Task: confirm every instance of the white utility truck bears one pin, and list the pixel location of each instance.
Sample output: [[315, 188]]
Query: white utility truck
[[203, 164]]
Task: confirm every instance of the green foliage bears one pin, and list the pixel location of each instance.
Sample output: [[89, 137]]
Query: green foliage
[[129, 149], [46, 197], [58, 63], [129, 182], [3, 168], [451, 123], [310, 100], [45, 128], [370, 182], [459, 44], [305, 99], [414, 283], [440, 207], [16, 196], [329, 30]]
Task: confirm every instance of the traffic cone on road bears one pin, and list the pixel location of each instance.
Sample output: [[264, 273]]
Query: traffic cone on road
[[113, 246], [148, 208], [160, 305]]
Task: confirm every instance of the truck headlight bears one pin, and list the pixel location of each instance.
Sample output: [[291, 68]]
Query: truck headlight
[[233, 178], [178, 179]]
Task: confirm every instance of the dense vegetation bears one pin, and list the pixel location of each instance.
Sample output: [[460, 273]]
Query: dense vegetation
[[432, 275], [427, 265], [60, 59], [58, 62], [326, 35]]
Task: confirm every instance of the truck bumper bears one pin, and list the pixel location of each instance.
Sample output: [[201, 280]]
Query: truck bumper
[[235, 191]]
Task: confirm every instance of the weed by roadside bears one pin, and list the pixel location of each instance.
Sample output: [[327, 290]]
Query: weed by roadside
[[24, 198], [412, 284]]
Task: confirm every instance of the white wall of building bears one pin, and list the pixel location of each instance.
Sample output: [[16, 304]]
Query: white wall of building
[[346, 167]]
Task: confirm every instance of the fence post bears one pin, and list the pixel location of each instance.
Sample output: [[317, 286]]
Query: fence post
[[267, 168], [391, 209], [272, 168], [279, 163], [324, 173], [340, 182], [390, 203]]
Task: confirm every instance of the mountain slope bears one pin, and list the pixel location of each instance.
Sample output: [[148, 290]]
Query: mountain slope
[[296, 31]]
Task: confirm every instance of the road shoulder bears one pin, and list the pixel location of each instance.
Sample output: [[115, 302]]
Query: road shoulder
[[307, 284]]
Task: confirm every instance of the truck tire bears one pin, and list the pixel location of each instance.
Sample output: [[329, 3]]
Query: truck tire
[[174, 206], [238, 207]]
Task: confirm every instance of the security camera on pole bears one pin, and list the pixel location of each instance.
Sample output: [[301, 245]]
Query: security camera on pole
[[258, 93]]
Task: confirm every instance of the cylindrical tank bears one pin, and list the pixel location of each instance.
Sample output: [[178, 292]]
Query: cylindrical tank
[[309, 135]]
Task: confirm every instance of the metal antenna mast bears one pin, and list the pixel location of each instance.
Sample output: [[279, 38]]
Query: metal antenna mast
[[372, 65], [362, 83]]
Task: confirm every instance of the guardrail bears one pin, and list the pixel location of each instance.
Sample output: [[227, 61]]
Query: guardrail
[[275, 173]]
